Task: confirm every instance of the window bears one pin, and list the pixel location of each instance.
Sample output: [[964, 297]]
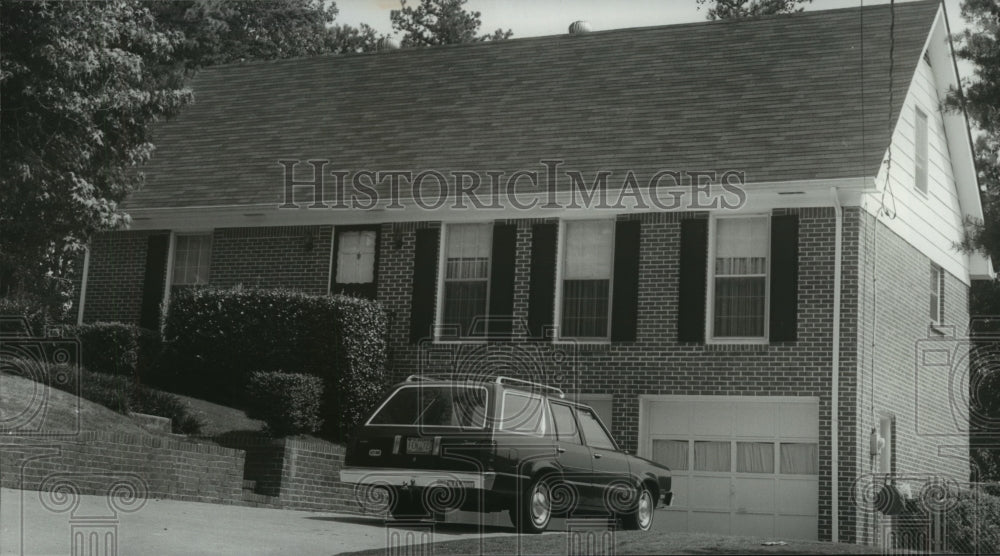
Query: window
[[712, 456], [672, 453], [434, 406], [885, 444], [192, 256], [755, 457], [920, 156], [739, 278], [937, 295], [566, 431], [466, 275], [799, 458], [594, 431], [586, 279], [522, 413]]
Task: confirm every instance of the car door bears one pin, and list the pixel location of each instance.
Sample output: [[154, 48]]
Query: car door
[[573, 457], [610, 465]]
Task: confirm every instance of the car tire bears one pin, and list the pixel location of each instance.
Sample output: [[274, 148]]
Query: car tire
[[641, 518], [532, 511]]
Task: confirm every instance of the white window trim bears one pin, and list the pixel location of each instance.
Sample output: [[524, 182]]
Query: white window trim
[[710, 289], [171, 262], [442, 266], [560, 262]]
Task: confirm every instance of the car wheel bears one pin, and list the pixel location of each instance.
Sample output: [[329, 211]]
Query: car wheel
[[641, 519], [533, 511]]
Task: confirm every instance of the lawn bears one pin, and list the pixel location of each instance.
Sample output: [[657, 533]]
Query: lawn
[[26, 405], [219, 419], [632, 542]]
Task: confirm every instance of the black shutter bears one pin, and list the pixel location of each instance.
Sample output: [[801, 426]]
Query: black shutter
[[625, 300], [502, 279], [784, 277], [691, 294], [425, 266], [542, 292], [157, 247]]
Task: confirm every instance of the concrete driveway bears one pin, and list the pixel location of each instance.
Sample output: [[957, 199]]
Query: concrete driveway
[[42, 523]]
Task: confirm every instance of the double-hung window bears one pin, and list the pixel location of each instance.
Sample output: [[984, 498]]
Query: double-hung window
[[192, 256], [466, 276], [586, 278], [739, 283]]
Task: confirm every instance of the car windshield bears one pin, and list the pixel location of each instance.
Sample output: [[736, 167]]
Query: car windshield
[[434, 406]]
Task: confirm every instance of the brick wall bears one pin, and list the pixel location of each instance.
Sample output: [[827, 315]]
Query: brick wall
[[893, 379], [115, 277], [94, 461], [288, 256]]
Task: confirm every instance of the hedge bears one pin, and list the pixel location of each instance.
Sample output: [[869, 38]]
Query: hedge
[[971, 523], [116, 348], [289, 403], [214, 338]]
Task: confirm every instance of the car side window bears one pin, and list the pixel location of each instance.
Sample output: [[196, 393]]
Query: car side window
[[566, 430], [594, 431]]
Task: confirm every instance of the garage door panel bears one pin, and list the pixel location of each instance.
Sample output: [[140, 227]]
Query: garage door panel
[[709, 493], [798, 420], [798, 496], [708, 418], [756, 419], [753, 525], [707, 522], [674, 521], [797, 527], [680, 486], [753, 495], [670, 419]]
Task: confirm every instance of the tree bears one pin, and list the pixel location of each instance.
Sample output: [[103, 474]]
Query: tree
[[435, 22], [979, 96], [224, 31], [81, 84], [738, 9], [345, 39]]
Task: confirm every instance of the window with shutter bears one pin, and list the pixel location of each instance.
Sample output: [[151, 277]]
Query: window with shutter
[[586, 279], [739, 284]]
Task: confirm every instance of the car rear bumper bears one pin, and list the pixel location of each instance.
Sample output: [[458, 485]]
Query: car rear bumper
[[418, 478]]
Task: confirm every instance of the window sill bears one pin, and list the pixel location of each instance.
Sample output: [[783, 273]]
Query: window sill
[[737, 346]]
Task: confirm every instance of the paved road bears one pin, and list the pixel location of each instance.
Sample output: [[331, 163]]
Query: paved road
[[37, 523]]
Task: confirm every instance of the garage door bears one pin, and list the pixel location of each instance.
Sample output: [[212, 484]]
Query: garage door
[[741, 466]]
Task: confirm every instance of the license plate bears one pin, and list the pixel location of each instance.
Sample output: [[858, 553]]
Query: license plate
[[418, 445]]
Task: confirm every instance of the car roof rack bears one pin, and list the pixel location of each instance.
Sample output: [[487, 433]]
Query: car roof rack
[[497, 380]]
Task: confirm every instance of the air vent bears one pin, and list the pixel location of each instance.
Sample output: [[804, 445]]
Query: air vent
[[579, 28]]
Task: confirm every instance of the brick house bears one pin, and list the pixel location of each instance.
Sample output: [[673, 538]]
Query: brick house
[[747, 304]]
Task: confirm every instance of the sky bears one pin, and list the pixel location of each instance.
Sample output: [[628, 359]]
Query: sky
[[529, 18]]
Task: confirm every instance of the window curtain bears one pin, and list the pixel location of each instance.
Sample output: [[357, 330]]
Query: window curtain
[[712, 456], [755, 457], [799, 459], [672, 453], [740, 277], [192, 256], [587, 278], [467, 267]]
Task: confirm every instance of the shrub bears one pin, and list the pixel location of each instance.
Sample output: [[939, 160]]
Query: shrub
[[109, 347], [289, 403], [214, 337], [164, 404], [111, 391], [36, 313], [971, 524]]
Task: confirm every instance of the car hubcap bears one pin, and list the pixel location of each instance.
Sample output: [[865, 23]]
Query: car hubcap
[[645, 509], [540, 504]]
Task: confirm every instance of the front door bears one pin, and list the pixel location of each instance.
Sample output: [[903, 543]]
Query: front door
[[355, 261]]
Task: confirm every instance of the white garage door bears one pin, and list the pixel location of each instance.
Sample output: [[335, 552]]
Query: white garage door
[[740, 466]]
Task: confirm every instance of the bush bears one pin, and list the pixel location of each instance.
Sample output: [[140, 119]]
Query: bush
[[971, 524], [289, 403], [164, 404], [36, 313], [116, 348], [213, 338], [111, 391]]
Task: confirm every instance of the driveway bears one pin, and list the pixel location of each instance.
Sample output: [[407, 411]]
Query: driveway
[[40, 523]]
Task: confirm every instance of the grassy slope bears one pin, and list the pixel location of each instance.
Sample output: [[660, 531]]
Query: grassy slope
[[219, 419], [26, 406]]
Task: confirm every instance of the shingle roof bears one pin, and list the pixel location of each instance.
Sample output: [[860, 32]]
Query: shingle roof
[[781, 98]]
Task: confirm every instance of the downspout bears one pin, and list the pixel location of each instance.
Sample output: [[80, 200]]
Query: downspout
[[83, 285], [835, 371]]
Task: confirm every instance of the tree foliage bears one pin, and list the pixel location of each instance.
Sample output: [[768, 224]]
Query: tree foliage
[[979, 44], [436, 22], [346, 39], [81, 83], [738, 9], [221, 31]]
